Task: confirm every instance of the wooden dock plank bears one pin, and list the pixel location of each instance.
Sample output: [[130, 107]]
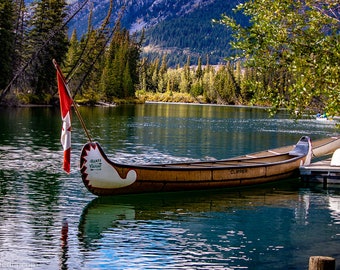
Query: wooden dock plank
[[321, 171]]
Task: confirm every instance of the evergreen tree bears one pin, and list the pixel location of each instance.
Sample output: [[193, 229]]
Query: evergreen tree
[[197, 85], [20, 42], [164, 67], [173, 80], [128, 86], [247, 90], [73, 52], [143, 75], [48, 16], [199, 72], [154, 72], [6, 41], [110, 82], [120, 74], [220, 85], [186, 81], [209, 93], [71, 61], [88, 67]]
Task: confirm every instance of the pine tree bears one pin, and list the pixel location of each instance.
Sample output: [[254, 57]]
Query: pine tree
[[47, 18], [89, 63], [164, 67], [143, 75], [120, 73], [6, 41], [20, 55], [186, 81], [71, 60], [128, 87], [199, 72], [209, 93], [219, 84], [154, 72], [72, 53]]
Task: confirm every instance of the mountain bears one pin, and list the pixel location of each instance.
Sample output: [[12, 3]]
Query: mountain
[[192, 33], [177, 28]]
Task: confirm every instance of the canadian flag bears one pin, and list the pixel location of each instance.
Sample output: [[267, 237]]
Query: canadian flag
[[65, 108]]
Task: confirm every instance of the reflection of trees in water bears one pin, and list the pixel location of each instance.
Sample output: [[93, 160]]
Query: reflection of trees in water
[[103, 213], [245, 227]]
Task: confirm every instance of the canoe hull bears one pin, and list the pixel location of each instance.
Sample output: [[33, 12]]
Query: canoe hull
[[104, 177], [150, 186], [325, 146]]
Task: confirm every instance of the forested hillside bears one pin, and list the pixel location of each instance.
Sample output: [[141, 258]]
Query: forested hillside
[[194, 34], [176, 28]]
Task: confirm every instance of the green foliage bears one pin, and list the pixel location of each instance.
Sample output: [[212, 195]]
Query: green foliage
[[287, 56], [6, 41], [167, 97], [219, 84], [90, 97], [48, 16], [120, 74], [28, 48], [100, 67], [106, 64], [293, 49]]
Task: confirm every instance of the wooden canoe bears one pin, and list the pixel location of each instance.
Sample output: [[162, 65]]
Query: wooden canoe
[[104, 177], [325, 146]]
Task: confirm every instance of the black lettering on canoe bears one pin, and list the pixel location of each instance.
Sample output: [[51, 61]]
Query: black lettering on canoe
[[238, 171], [95, 164]]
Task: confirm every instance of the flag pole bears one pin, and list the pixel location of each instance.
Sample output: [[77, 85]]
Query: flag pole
[[74, 104]]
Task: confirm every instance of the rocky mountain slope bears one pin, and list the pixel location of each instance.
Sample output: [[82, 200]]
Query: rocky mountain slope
[[177, 28]]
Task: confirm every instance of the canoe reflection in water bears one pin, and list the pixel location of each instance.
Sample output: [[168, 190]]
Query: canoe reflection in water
[[217, 228]]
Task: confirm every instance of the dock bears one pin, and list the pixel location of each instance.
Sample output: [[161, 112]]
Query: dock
[[321, 171]]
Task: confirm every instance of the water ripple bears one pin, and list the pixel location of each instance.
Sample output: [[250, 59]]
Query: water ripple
[[255, 228]]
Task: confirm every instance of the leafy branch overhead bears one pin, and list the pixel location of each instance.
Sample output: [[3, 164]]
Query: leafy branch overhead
[[294, 48]]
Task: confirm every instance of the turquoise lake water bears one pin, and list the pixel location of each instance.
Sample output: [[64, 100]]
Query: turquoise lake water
[[48, 220]]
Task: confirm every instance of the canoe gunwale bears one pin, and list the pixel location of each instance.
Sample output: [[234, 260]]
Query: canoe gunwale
[[325, 146], [196, 165]]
